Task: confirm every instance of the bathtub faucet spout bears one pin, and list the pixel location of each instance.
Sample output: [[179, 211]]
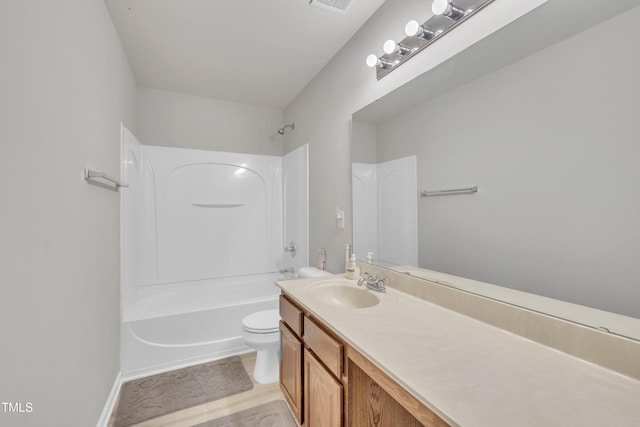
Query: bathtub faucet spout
[[291, 248]]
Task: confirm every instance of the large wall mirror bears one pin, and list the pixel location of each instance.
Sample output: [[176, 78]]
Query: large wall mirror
[[544, 118]]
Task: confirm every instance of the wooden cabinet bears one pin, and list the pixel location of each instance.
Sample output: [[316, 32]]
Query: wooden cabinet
[[374, 399], [329, 384], [322, 395], [310, 369], [291, 371], [323, 355]]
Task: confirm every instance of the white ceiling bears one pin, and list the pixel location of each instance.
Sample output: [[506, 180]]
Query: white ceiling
[[257, 52]]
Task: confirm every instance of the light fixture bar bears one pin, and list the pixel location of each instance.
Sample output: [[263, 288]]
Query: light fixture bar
[[448, 14]]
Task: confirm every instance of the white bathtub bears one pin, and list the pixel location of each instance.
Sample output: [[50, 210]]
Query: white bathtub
[[175, 325]]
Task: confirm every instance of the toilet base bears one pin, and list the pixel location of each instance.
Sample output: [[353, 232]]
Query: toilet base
[[267, 369]]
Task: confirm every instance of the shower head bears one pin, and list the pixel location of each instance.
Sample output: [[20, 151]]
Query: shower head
[[281, 130]]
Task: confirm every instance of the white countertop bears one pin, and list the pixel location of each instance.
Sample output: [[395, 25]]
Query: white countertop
[[474, 374]]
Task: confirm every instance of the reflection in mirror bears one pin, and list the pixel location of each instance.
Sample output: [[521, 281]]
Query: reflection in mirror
[[385, 210], [551, 141]]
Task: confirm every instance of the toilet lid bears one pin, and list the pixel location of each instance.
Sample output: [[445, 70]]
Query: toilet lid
[[262, 322]]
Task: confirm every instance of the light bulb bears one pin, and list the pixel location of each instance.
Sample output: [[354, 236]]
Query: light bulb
[[389, 47], [447, 8], [440, 7], [414, 29], [372, 60]]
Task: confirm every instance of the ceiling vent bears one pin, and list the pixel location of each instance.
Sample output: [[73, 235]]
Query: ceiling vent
[[337, 6]]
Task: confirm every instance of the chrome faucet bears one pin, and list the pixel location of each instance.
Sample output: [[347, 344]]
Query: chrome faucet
[[372, 282]]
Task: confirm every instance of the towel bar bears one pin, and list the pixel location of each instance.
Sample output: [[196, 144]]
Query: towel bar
[[426, 193], [97, 178]]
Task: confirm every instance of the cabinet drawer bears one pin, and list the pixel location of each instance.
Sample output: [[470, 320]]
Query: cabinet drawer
[[324, 346], [291, 315]]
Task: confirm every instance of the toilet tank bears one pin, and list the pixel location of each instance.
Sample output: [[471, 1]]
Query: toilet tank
[[305, 272]]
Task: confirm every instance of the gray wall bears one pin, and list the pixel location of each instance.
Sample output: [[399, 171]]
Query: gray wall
[[65, 86], [186, 121], [322, 111], [364, 145], [552, 142]]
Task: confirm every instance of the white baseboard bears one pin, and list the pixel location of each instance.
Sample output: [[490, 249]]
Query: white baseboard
[[103, 421]]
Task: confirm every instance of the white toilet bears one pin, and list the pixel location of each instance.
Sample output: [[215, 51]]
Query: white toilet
[[261, 332]]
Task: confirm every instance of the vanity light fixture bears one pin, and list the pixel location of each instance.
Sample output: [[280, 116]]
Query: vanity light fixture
[[447, 14]]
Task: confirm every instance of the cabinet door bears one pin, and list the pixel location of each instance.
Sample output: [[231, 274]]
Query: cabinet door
[[322, 395], [291, 371]]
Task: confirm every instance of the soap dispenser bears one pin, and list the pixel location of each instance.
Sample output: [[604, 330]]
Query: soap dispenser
[[370, 257], [347, 256], [353, 272]]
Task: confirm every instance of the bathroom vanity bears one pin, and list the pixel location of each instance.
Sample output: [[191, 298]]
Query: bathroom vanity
[[327, 382], [353, 357]]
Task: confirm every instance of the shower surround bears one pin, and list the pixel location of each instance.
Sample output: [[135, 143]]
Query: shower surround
[[202, 246]]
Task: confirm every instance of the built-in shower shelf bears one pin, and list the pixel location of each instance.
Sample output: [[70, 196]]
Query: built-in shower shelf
[[217, 205]]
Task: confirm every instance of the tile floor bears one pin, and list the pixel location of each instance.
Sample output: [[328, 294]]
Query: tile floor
[[259, 394]]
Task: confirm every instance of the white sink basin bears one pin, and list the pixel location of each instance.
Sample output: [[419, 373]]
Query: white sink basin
[[343, 294]]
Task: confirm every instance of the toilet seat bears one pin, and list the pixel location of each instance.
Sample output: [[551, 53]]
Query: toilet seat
[[262, 322]]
